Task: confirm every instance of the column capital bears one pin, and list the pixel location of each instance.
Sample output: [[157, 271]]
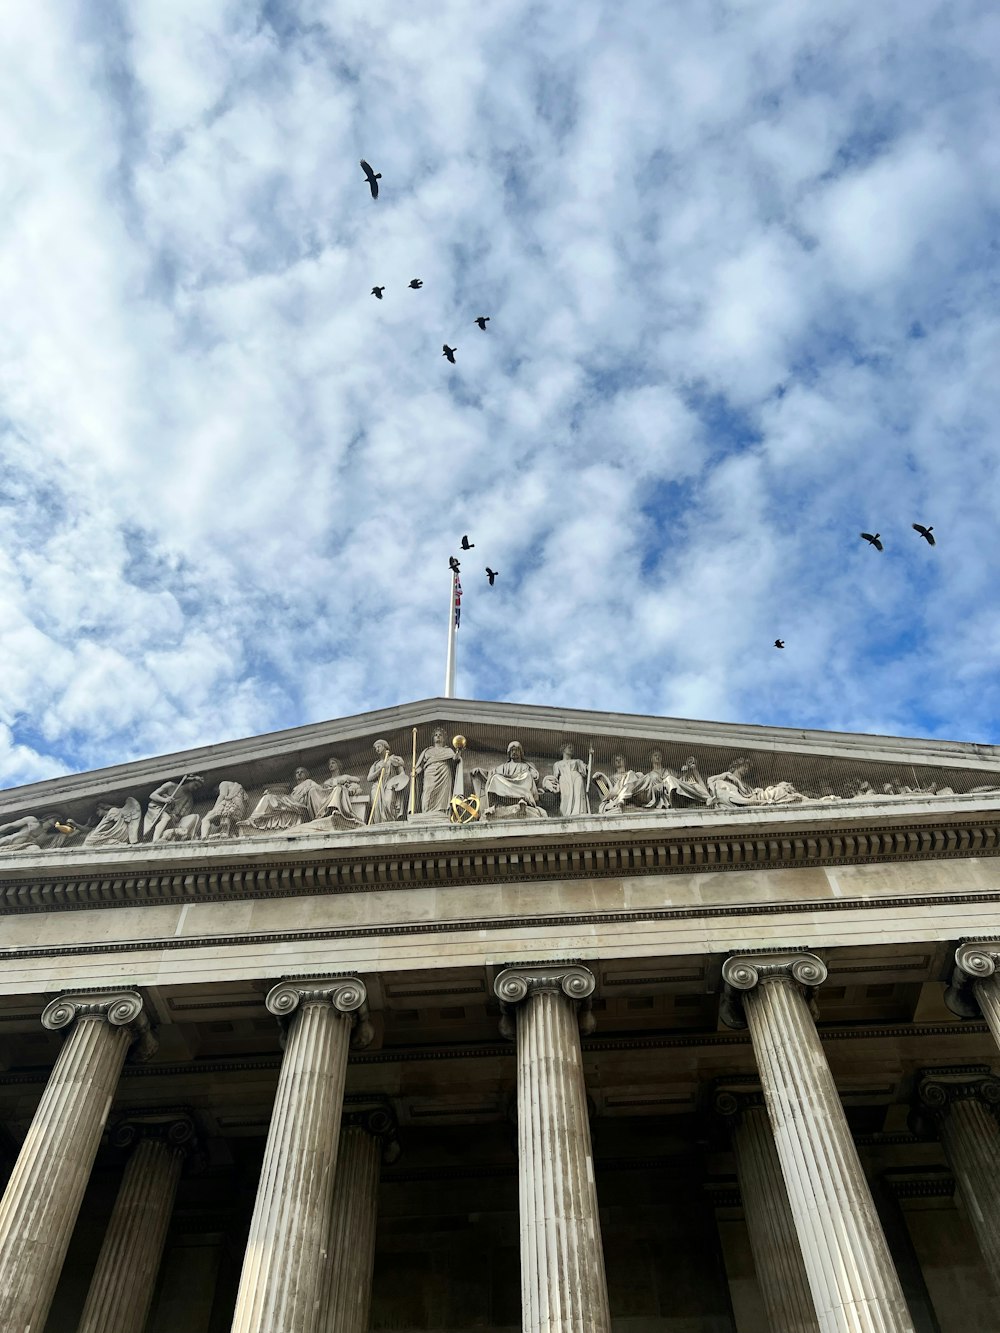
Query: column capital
[[378, 1121], [174, 1128], [347, 994], [939, 1089], [975, 960], [120, 1009], [513, 985], [730, 1103], [744, 972]]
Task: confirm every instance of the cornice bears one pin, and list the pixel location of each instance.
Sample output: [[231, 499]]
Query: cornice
[[638, 851]]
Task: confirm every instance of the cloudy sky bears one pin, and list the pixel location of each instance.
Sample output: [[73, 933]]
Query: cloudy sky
[[741, 265]]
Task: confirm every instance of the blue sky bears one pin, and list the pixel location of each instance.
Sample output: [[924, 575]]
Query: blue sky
[[741, 265]]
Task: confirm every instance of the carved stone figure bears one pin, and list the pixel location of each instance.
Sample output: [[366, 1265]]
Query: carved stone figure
[[569, 780], [687, 786], [231, 806], [276, 810], [389, 780], [627, 787], [169, 811], [29, 834], [436, 764], [339, 788], [118, 825], [732, 788], [510, 789]]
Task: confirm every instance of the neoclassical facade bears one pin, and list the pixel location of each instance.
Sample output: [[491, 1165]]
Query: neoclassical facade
[[464, 1016]]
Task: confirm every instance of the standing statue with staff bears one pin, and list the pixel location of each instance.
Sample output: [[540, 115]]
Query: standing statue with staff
[[390, 778]]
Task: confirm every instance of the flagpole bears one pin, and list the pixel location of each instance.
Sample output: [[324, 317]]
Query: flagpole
[[449, 671]]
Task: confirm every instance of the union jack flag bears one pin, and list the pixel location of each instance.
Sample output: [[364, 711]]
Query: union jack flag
[[458, 601]]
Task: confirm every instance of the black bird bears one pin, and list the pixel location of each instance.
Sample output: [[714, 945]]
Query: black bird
[[416, 284], [453, 564], [449, 352], [467, 545], [779, 643], [482, 321], [491, 574], [377, 292], [873, 539], [926, 533], [373, 177]]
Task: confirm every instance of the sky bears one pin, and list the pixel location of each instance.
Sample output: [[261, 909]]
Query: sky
[[740, 260]]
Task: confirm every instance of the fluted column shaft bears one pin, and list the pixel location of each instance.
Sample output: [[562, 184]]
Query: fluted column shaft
[[563, 1285], [348, 1294], [963, 1105], [850, 1272], [282, 1282], [777, 1255], [43, 1197], [121, 1290]]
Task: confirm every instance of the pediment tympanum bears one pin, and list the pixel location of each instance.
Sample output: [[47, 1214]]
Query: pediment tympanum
[[453, 763]]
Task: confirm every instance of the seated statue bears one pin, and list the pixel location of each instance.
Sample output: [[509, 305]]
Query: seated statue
[[509, 790], [118, 825], [339, 788], [230, 807]]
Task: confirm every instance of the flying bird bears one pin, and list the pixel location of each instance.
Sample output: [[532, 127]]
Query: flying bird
[[926, 533], [873, 539], [467, 545], [416, 284], [779, 643], [482, 321], [373, 177], [449, 352], [377, 292], [453, 564], [491, 574]]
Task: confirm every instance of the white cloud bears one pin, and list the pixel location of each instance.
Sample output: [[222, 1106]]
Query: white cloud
[[739, 274]]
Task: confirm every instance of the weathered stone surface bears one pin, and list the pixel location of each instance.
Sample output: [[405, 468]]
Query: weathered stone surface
[[43, 1196], [777, 1253], [854, 1285], [281, 1286], [964, 1107], [563, 1285], [121, 1291], [348, 1291]]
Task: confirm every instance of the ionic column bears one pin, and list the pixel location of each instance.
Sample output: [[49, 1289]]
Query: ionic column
[[777, 1255], [366, 1140], [853, 1283], [121, 1290], [281, 1285], [563, 1287], [42, 1199], [974, 991], [963, 1105]]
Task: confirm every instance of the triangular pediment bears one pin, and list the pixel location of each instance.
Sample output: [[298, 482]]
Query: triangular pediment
[[614, 770]]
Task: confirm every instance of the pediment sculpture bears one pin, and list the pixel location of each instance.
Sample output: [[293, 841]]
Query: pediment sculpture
[[434, 786]]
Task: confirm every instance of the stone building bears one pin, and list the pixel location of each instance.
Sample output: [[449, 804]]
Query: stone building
[[464, 1016]]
